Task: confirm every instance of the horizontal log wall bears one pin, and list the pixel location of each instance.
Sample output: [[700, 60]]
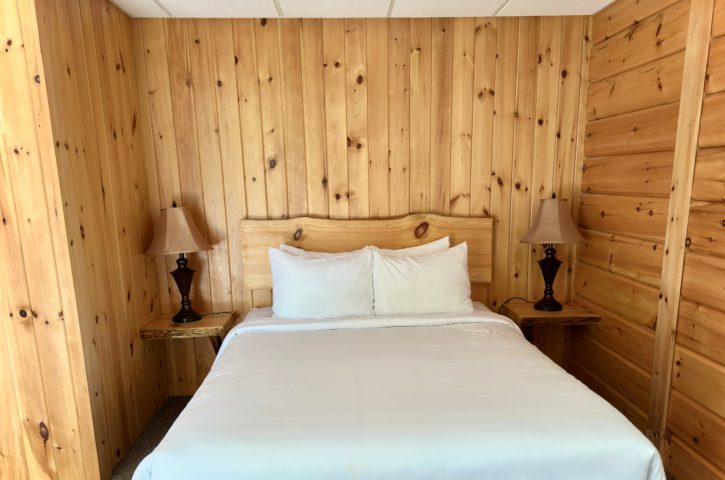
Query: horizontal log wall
[[355, 119], [696, 415], [633, 135], [635, 77]]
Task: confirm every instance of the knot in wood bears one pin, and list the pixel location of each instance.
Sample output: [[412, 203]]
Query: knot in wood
[[688, 242], [298, 234], [43, 430], [421, 229]]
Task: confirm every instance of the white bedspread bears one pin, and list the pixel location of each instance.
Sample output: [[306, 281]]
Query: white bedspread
[[425, 398]]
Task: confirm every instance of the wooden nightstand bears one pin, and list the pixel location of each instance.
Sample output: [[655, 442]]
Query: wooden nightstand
[[212, 325], [545, 329]]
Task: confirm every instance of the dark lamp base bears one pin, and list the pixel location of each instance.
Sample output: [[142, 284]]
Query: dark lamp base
[[186, 316], [549, 266], [548, 305], [183, 276]]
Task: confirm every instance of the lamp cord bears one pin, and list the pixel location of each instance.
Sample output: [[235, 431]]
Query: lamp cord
[[512, 298]]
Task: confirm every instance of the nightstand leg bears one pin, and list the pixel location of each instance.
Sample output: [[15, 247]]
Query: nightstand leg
[[216, 343]]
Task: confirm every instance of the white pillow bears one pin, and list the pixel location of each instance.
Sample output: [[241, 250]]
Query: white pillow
[[332, 287], [439, 245], [434, 283]]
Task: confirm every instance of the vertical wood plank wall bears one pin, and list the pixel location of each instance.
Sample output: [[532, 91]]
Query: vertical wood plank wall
[[76, 218], [637, 67], [355, 119]]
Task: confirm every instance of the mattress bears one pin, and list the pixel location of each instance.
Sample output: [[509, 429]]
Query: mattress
[[426, 397]]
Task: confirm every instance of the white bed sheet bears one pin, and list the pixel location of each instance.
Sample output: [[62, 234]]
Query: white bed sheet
[[422, 398]]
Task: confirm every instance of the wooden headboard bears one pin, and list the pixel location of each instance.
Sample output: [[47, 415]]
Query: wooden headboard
[[328, 235]]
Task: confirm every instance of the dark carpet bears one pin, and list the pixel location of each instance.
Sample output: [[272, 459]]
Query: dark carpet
[[150, 437]]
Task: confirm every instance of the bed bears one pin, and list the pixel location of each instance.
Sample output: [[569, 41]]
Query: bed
[[445, 396]]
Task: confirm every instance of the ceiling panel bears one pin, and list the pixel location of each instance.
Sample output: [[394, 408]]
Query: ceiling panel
[[438, 8], [516, 8], [335, 9], [221, 8], [140, 8]]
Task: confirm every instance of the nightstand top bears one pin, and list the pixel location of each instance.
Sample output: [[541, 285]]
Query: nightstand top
[[210, 325], [525, 315]]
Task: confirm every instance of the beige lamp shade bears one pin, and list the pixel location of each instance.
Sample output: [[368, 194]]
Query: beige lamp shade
[[553, 224], [176, 232]]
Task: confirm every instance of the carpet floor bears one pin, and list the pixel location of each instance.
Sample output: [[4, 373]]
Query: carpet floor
[[150, 437]]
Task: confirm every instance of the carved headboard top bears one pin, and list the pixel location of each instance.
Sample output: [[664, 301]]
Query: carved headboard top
[[329, 235]]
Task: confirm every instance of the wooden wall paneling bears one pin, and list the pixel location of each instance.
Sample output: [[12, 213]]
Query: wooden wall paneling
[[462, 114], [523, 157], [709, 182], [268, 77], [357, 116], [699, 428], [655, 37], [656, 83], [697, 279], [545, 141], [621, 16], [39, 454], [399, 115], [232, 165], [333, 41], [377, 65], [702, 329], [245, 59], [441, 91], [631, 340], [634, 413], [718, 19], [35, 196], [715, 74], [643, 174], [201, 63], [684, 463], [290, 50], [503, 151], [631, 257], [420, 113], [649, 130], [641, 217], [484, 81], [671, 284], [314, 117], [625, 297], [624, 376], [711, 134], [700, 379], [405, 102], [705, 229]]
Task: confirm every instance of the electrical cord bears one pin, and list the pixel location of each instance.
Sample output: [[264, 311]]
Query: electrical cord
[[512, 298]]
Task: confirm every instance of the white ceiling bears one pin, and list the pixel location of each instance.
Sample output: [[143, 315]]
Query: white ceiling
[[356, 8]]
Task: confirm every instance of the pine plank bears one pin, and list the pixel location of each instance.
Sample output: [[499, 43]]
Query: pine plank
[[711, 133], [685, 463], [377, 65], [624, 297], [441, 97], [333, 41], [715, 73], [699, 379], [654, 37], [484, 80], [631, 257], [709, 182], [649, 130], [706, 228], [697, 279], [420, 113], [640, 217], [702, 330], [399, 115], [643, 174], [656, 83], [357, 116], [621, 16], [699, 428]]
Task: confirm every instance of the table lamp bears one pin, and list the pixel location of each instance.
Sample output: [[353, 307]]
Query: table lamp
[[553, 224], [175, 233]]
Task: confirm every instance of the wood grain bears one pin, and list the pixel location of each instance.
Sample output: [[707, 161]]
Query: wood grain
[[210, 325], [641, 217], [709, 182], [341, 236], [642, 174], [702, 329]]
